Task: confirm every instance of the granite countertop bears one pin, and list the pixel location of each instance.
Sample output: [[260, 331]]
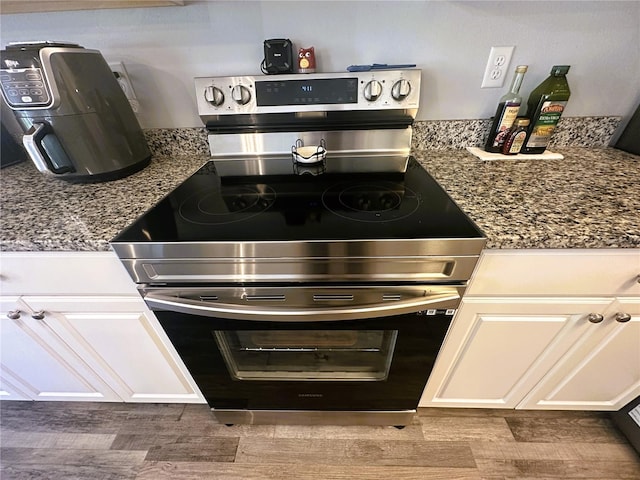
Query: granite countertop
[[590, 199]]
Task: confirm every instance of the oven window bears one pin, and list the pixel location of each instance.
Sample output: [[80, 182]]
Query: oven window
[[312, 355]]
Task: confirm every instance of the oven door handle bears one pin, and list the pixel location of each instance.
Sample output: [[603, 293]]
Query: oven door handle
[[448, 299]]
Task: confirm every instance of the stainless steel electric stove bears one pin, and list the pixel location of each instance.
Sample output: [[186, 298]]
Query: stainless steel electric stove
[[308, 273]]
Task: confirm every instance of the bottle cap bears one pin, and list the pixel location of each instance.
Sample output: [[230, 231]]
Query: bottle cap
[[560, 69], [522, 68]]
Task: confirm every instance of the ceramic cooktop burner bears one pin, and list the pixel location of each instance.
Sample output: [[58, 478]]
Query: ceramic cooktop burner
[[230, 204], [370, 202]]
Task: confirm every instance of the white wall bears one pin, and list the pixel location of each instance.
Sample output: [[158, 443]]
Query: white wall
[[164, 48]]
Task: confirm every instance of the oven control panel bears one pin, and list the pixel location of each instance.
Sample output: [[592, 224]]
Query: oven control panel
[[315, 92]]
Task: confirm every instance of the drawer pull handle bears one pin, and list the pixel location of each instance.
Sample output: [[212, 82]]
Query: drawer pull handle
[[14, 314], [39, 315], [622, 317], [265, 298], [332, 297], [595, 317]]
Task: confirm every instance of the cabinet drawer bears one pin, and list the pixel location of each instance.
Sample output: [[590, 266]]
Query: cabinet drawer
[[557, 272], [49, 273]]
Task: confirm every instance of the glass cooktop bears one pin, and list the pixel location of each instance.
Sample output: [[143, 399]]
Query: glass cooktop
[[331, 206]]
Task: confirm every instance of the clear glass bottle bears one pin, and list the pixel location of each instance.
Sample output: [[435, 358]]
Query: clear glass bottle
[[544, 108], [506, 113]]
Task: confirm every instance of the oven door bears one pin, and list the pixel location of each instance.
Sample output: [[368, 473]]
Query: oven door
[[363, 349]]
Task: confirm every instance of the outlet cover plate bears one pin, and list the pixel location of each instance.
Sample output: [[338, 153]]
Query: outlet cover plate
[[497, 67], [122, 76]]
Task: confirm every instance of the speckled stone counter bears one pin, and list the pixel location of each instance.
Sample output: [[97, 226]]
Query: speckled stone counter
[[39, 213], [590, 199]]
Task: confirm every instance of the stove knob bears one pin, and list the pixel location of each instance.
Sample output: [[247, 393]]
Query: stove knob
[[241, 94], [401, 90], [372, 90], [214, 96]]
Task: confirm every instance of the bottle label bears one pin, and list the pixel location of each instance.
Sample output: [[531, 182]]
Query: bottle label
[[508, 117], [518, 141], [546, 123]]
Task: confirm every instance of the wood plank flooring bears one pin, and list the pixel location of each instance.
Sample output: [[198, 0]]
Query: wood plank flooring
[[115, 441]]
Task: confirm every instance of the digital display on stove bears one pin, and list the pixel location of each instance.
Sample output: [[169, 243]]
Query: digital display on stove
[[316, 91]]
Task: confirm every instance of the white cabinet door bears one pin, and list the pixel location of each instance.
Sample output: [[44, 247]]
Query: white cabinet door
[[36, 361], [498, 349], [122, 341], [601, 371]]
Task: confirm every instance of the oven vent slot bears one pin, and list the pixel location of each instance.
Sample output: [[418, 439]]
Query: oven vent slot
[[265, 298], [391, 297], [209, 298], [327, 297]]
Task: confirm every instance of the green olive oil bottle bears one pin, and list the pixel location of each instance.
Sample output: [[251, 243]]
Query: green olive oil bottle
[[544, 108]]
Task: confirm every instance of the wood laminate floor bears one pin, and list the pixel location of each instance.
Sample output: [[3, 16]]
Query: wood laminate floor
[[114, 441]]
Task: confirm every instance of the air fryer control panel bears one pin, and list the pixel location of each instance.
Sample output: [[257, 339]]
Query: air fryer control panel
[[24, 87], [22, 76]]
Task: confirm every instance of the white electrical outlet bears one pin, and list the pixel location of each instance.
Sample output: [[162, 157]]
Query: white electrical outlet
[[497, 67], [125, 83]]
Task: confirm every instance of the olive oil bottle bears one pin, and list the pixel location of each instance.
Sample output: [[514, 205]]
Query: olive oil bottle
[[506, 113], [544, 108]]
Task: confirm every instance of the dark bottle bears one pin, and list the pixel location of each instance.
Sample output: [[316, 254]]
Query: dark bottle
[[515, 137], [544, 108], [508, 108]]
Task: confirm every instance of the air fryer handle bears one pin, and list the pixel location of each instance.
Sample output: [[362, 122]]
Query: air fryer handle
[[33, 143]]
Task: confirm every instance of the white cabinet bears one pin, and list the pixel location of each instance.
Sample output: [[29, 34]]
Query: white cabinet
[[601, 370], [37, 363], [97, 342], [559, 348]]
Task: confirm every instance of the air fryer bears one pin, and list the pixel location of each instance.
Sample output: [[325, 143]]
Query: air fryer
[[77, 122]]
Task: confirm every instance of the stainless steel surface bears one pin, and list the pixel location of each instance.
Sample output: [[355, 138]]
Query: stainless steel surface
[[262, 165], [241, 98], [312, 417], [338, 142], [622, 317], [306, 304], [408, 251], [595, 317], [370, 261]]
